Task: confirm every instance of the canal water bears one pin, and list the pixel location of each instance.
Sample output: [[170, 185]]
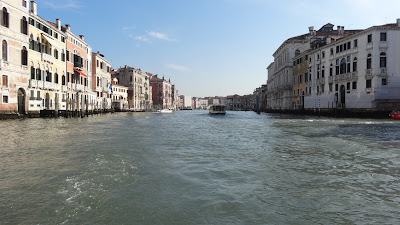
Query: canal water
[[190, 167]]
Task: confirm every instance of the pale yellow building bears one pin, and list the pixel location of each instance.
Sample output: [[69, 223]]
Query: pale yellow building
[[119, 96], [101, 81], [47, 47]]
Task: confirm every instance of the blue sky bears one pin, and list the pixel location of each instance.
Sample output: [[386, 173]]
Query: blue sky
[[206, 47]]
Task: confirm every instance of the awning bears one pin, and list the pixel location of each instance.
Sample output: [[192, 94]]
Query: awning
[[80, 72], [50, 40]]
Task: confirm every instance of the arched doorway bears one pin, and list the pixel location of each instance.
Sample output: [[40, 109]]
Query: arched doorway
[[342, 99], [47, 101], [21, 101]]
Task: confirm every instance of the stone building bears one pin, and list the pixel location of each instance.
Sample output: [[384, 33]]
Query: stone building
[[101, 81], [14, 69], [139, 88], [162, 93], [119, 96], [362, 71]]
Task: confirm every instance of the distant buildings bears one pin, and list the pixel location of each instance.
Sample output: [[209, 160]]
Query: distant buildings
[[162, 93]]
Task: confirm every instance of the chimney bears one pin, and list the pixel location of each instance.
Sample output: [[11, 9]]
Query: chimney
[[338, 29], [82, 37], [34, 7], [311, 29], [398, 22], [342, 29], [58, 22], [68, 26]]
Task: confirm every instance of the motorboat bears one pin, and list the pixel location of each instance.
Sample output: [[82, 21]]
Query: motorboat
[[217, 109], [165, 111], [395, 115]]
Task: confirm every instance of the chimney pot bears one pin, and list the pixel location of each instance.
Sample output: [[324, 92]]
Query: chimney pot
[[68, 26], [58, 22], [82, 37], [34, 7]]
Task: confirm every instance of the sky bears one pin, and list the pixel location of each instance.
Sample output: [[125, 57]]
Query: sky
[[206, 47]]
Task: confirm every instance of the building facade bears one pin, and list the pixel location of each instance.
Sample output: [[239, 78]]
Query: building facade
[[119, 96], [14, 68], [161, 92], [101, 81]]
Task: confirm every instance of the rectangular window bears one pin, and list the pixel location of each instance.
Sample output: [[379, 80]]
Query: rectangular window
[[383, 36], [384, 81], [38, 95], [5, 81], [5, 99], [354, 85], [336, 87], [355, 43], [348, 85], [306, 77], [337, 49], [330, 87], [368, 83], [331, 51], [323, 88], [369, 39], [348, 45], [67, 56]]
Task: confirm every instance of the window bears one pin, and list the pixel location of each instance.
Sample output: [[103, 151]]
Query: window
[[24, 56], [305, 77], [67, 56], [297, 52], [368, 83], [63, 39], [369, 61], [382, 61], [336, 87], [56, 35], [5, 17], [355, 64], [354, 85], [331, 51], [63, 56], [63, 80], [322, 88], [55, 53], [355, 43], [323, 72], [383, 36], [32, 73], [348, 85], [343, 66], [24, 26], [5, 81], [337, 67], [330, 86], [331, 70], [337, 49], [317, 71], [24, 3], [5, 99], [348, 45], [323, 54], [384, 81], [4, 49], [369, 38], [348, 64]]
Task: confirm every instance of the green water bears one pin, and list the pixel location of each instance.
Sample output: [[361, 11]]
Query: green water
[[190, 167]]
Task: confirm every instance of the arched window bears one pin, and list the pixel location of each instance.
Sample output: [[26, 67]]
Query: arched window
[[355, 64], [343, 66], [297, 52], [24, 26], [4, 50], [56, 78], [32, 72], [31, 43], [24, 3], [38, 45], [323, 72], [5, 18], [331, 70], [63, 80], [382, 62], [369, 61], [24, 56], [55, 53]]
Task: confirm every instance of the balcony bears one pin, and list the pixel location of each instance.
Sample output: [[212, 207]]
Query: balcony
[[383, 71], [33, 83], [48, 58], [57, 87], [64, 88], [79, 87], [69, 85], [368, 72], [40, 84]]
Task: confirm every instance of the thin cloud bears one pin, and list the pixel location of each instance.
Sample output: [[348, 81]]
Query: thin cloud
[[176, 67], [126, 28], [142, 38], [68, 4], [159, 35]]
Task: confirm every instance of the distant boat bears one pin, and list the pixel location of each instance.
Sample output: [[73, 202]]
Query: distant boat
[[217, 109], [395, 115], [165, 111]]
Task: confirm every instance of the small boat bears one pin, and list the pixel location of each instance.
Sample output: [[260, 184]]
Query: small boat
[[395, 115], [217, 109], [165, 111]]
